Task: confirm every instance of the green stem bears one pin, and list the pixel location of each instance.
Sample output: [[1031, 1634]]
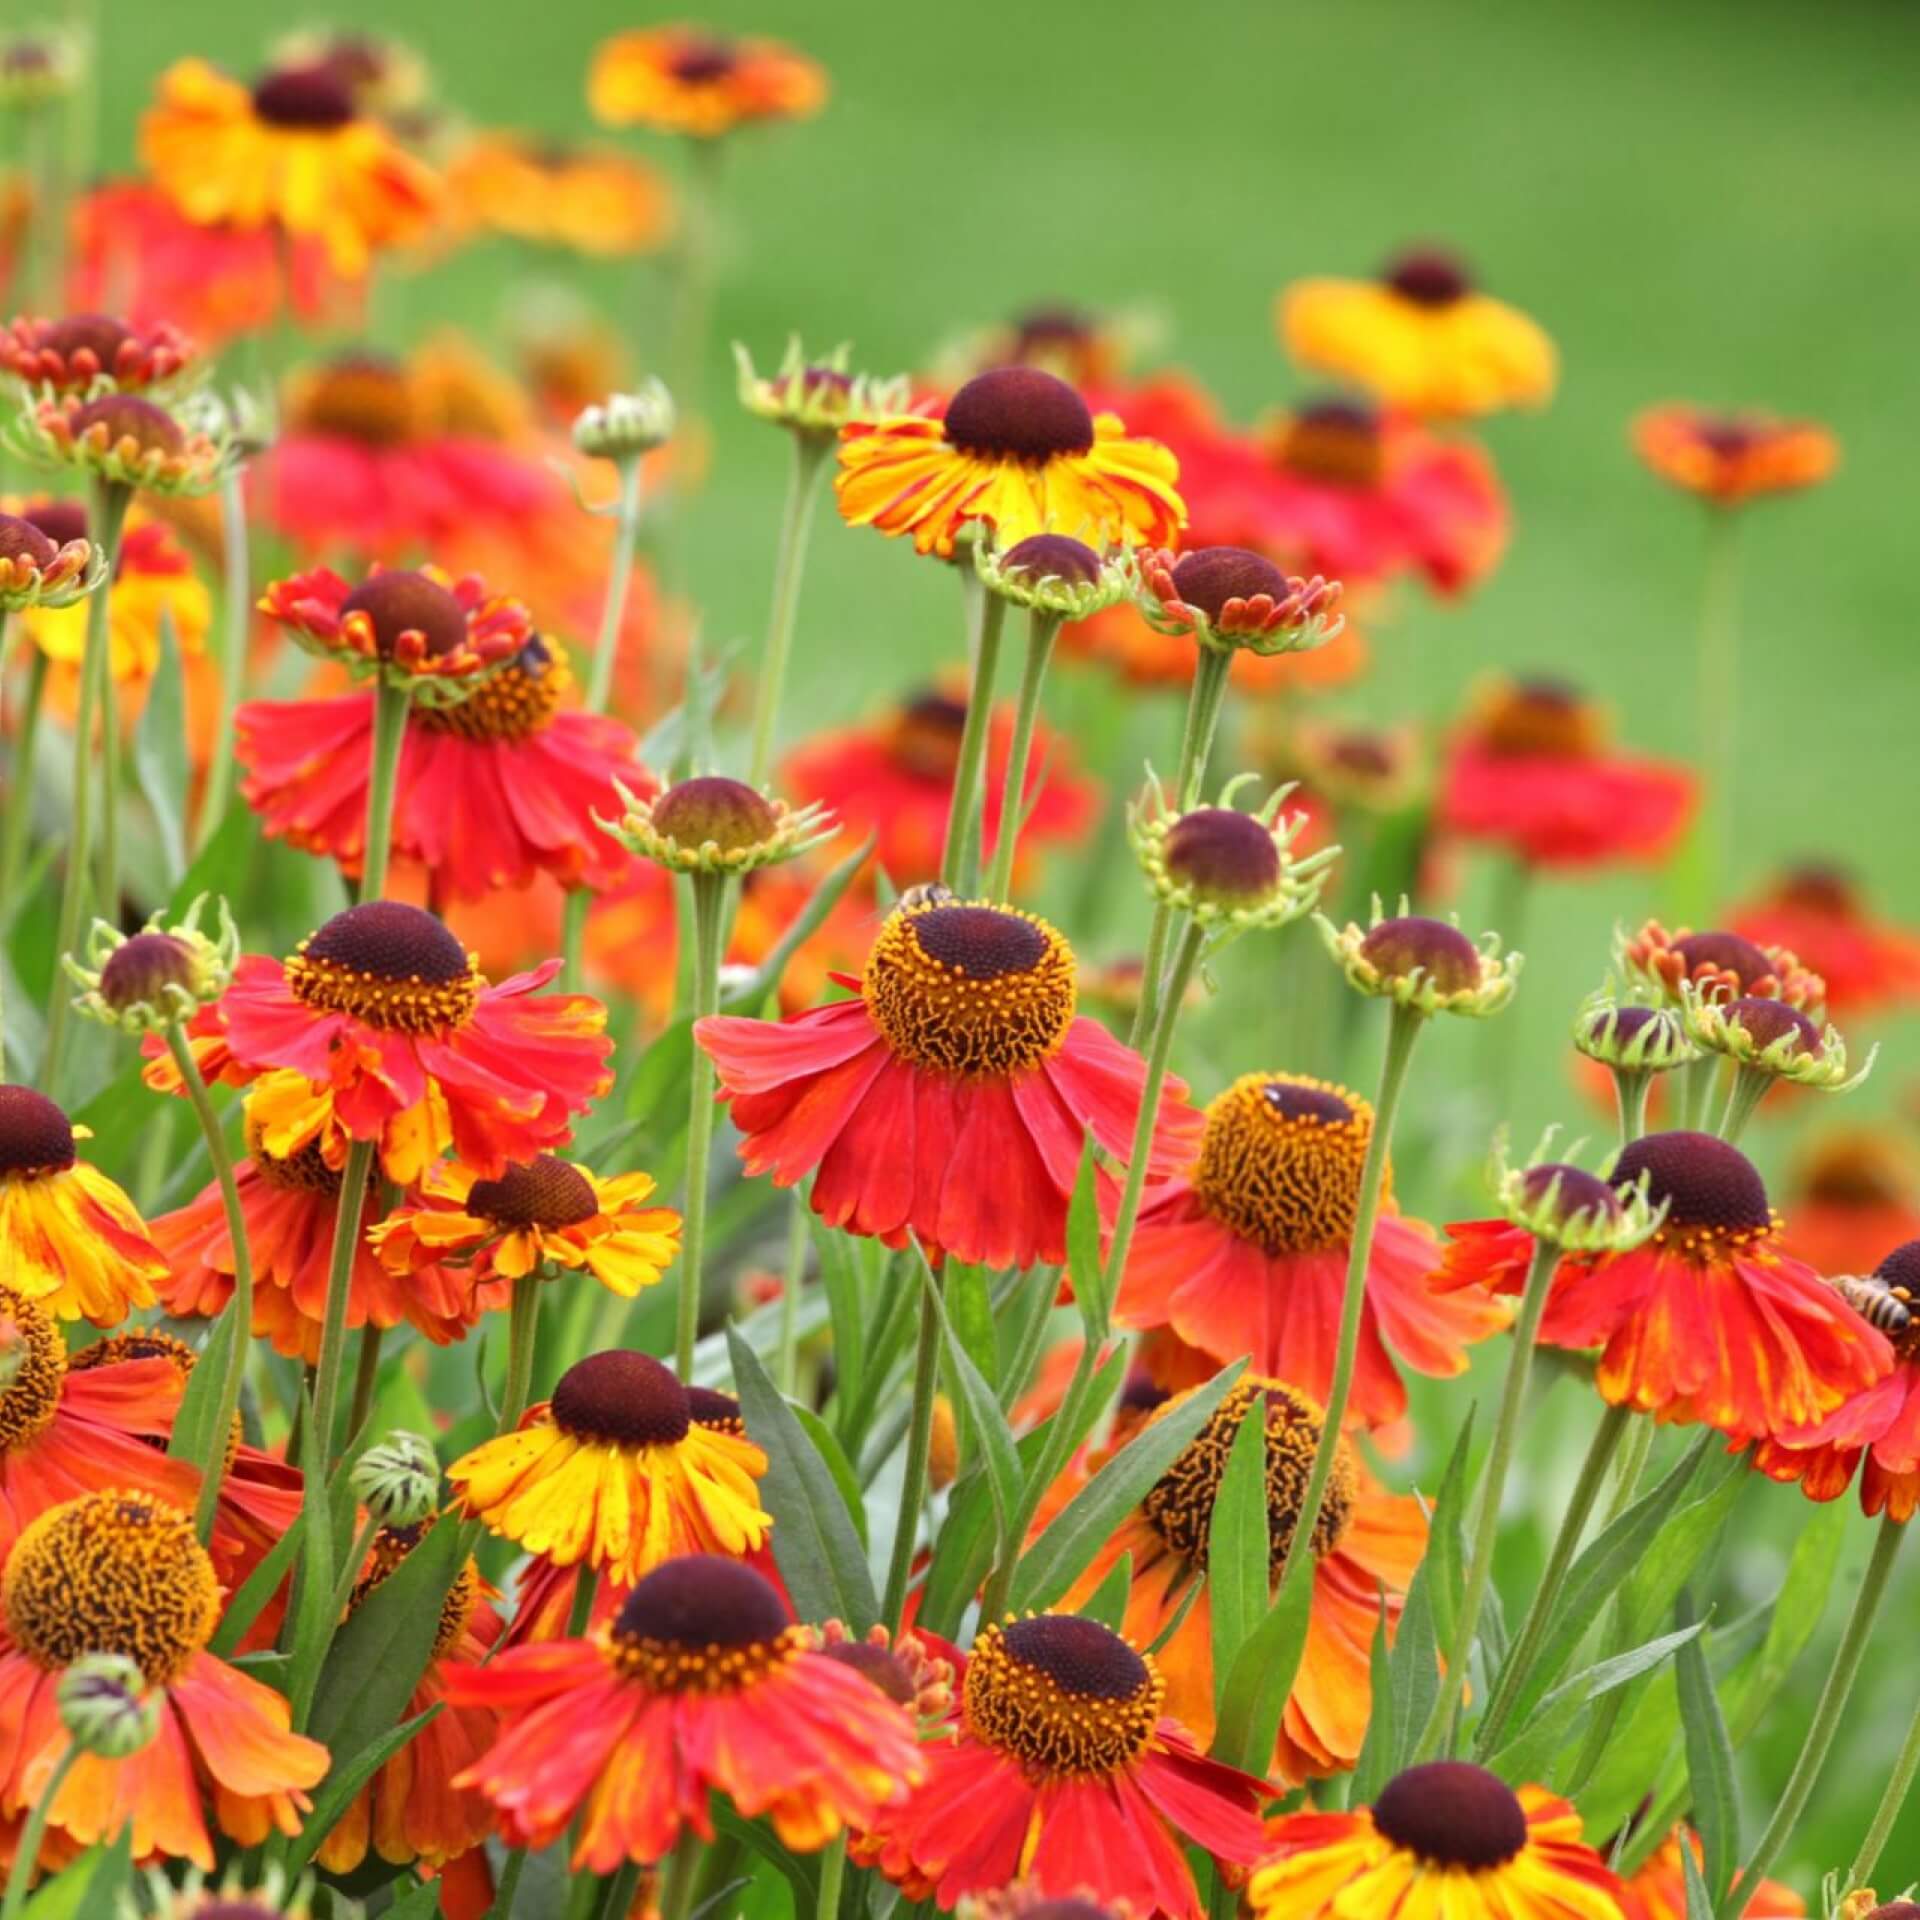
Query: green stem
[[613, 609], [1631, 1086], [789, 563], [833, 1874], [1042, 627], [366, 1377], [109, 517], [957, 865], [913, 1483], [680, 1877], [581, 1612], [1533, 1304], [1825, 1722], [240, 1307], [787, 1369], [509, 1888], [1512, 894], [1892, 1799], [333, 1325], [20, 783], [1593, 1473], [34, 1837], [1717, 700], [350, 1572], [390, 701], [573, 938], [617, 1901], [1210, 676], [1403, 1029], [523, 1328], [237, 596], [1751, 1085], [710, 894], [1696, 1092]]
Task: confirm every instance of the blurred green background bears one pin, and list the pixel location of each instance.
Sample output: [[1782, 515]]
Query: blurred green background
[[1710, 201]]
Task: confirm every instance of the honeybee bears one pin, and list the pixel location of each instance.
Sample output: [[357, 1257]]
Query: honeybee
[[929, 893], [1876, 1302]]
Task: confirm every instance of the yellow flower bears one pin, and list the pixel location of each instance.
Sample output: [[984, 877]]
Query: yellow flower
[[1421, 337], [155, 582], [592, 200], [687, 80], [614, 1470], [549, 1211]]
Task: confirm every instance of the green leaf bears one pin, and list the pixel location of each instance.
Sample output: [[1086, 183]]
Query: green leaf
[[1107, 1603], [846, 1305], [814, 1542], [968, 1300], [1797, 1611], [345, 1781], [1683, 1542], [255, 1591], [1239, 1547], [964, 1551], [380, 1653], [221, 867], [192, 1437], [660, 1080], [1021, 1327], [160, 764], [838, 1465], [313, 1618], [1054, 1561], [1261, 1677], [800, 1876], [1443, 1567], [1084, 1261], [421, 1902], [89, 1887], [1700, 1904], [1375, 1766], [992, 1435], [1716, 1807]]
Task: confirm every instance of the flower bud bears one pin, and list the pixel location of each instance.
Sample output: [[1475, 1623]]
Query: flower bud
[[147, 981], [1053, 573], [1426, 965], [106, 1706], [398, 1481], [1771, 1038], [1227, 869], [711, 824], [1230, 598], [626, 425], [816, 398], [1630, 1037], [1567, 1207]]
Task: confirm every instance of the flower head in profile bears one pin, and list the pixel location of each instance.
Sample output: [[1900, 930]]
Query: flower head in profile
[[437, 635], [1231, 872], [815, 398], [694, 80], [39, 571], [234, 1896], [1067, 1771], [1368, 770], [1729, 459], [90, 353], [1422, 336], [1533, 770], [1427, 965], [615, 1471], [1052, 573], [713, 824], [1446, 1832], [1563, 1205], [1768, 1037], [127, 440], [1716, 965], [590, 200], [388, 1032], [293, 152], [148, 981], [1818, 910], [69, 1237], [120, 1572], [1015, 448], [550, 1213], [1708, 1321], [965, 1039], [1232, 600], [700, 1686], [625, 425], [1366, 1543], [1245, 1251], [1630, 1036]]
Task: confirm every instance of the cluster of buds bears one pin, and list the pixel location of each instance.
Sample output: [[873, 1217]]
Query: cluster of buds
[[126, 440], [38, 571], [154, 979], [1232, 872], [1569, 1208], [816, 398], [398, 1481], [625, 425], [1231, 599], [1425, 966], [711, 824], [1056, 576]]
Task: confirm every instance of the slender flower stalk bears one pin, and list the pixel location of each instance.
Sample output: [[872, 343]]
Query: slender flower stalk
[[26, 744], [810, 453], [1042, 628], [913, 1479], [1827, 1714], [1717, 696], [787, 1372], [613, 609], [523, 1329], [239, 1311], [710, 901], [959, 860], [390, 702], [238, 606], [33, 1837], [366, 1379], [1892, 1800], [110, 515]]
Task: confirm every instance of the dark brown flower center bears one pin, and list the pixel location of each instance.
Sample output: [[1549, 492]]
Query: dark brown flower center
[[1280, 1162], [508, 706], [401, 601], [1707, 1184], [305, 99], [1821, 888], [1043, 331], [925, 736], [1453, 1814], [1333, 440], [35, 1136], [1541, 717], [1209, 577], [980, 943], [544, 1193], [1725, 953], [1019, 413], [704, 60], [1412, 943], [139, 970], [703, 1600], [99, 334], [1044, 555], [358, 396], [1769, 1021], [20, 539], [1227, 858], [389, 964], [1062, 1694], [125, 416], [59, 520], [729, 813], [621, 1399], [1078, 1655], [1625, 1024], [708, 1408], [1428, 277]]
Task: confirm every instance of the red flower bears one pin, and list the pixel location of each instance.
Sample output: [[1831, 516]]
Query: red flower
[[490, 792], [1245, 1252], [1817, 911], [1532, 771], [392, 1034], [1710, 1320], [950, 1100], [71, 353], [1857, 1194], [1064, 1773]]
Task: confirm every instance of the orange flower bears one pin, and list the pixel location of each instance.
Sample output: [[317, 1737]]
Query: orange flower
[[1710, 1320], [1817, 909], [700, 1686], [1421, 337], [1015, 448], [121, 1572], [592, 200], [1246, 1250], [1659, 1890], [690, 80], [1064, 1771], [1729, 459], [292, 152], [1856, 1193], [1367, 1542]]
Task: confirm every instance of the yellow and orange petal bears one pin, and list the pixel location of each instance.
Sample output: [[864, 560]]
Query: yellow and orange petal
[[1729, 459], [1658, 1890], [591, 200], [1421, 337], [690, 80]]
